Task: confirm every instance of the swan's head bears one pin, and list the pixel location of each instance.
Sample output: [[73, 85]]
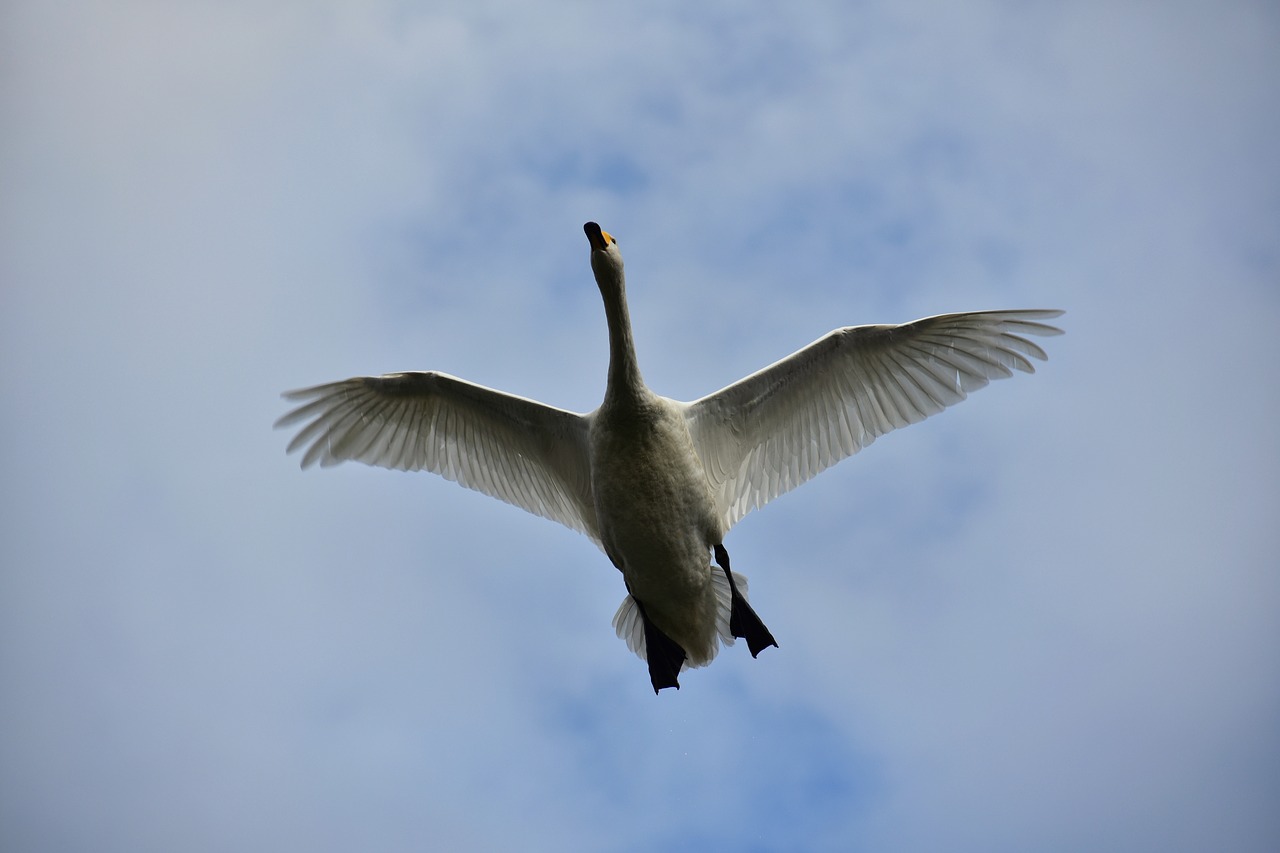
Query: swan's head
[[606, 260]]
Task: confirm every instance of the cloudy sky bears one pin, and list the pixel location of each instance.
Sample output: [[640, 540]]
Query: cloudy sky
[[1044, 620]]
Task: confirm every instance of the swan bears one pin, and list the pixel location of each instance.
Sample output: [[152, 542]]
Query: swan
[[657, 483]]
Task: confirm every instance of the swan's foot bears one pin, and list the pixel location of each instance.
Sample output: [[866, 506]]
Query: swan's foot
[[743, 621], [664, 654]]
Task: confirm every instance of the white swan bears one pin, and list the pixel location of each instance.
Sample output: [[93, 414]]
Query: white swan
[[657, 483]]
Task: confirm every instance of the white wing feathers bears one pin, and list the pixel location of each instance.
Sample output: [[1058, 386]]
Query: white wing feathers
[[766, 434], [517, 450], [758, 438]]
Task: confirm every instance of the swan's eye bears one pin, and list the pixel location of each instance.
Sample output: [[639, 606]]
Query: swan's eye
[[609, 237]]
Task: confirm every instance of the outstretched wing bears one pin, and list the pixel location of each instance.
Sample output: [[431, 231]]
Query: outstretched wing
[[768, 433], [517, 450]]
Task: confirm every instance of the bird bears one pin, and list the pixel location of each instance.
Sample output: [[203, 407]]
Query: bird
[[657, 483]]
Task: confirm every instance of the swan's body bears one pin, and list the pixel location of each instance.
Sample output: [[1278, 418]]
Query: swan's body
[[658, 483]]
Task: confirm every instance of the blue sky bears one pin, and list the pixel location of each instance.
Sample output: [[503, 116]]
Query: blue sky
[[1044, 620]]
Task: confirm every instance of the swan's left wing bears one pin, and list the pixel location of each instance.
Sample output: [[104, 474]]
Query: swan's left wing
[[772, 431], [517, 450]]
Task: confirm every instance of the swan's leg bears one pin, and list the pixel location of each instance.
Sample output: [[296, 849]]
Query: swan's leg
[[663, 653], [743, 621]]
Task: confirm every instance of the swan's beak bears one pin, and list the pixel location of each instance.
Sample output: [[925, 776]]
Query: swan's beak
[[600, 240]]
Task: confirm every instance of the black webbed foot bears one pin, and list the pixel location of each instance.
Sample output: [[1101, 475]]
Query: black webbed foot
[[664, 654], [743, 621]]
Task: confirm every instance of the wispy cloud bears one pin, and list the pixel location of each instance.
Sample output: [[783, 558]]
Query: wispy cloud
[[1044, 620]]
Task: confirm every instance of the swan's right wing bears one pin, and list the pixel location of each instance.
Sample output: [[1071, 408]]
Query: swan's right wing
[[772, 431], [517, 450]]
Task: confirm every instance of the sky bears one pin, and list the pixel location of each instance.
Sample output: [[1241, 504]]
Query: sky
[[1046, 619]]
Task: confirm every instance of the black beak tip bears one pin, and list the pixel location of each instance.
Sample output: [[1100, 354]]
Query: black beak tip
[[594, 235]]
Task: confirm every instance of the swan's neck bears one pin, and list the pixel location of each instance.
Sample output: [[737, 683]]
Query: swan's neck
[[624, 371]]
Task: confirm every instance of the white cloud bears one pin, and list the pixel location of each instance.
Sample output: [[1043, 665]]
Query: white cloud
[[1044, 620]]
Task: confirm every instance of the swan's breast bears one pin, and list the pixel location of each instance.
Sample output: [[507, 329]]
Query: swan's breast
[[653, 502]]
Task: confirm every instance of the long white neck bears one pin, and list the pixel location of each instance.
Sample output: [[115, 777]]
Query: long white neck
[[624, 380]]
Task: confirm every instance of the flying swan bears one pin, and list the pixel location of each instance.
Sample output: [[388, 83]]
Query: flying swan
[[657, 483]]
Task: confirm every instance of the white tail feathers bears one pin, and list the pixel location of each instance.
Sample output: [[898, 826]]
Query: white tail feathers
[[629, 624]]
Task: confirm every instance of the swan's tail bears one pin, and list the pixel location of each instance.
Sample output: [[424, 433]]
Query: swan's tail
[[732, 611]]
